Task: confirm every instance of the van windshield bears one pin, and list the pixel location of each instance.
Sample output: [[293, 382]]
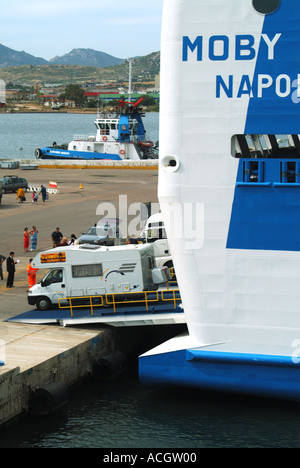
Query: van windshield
[[53, 276]]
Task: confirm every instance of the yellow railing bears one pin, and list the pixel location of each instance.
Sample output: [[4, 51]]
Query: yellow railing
[[127, 298]]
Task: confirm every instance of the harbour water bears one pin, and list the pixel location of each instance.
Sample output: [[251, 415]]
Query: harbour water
[[123, 414]]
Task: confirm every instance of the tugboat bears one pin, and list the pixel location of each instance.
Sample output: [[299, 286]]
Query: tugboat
[[120, 136]]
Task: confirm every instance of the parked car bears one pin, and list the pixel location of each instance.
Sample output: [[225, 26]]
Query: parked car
[[1, 190], [11, 183], [104, 233]]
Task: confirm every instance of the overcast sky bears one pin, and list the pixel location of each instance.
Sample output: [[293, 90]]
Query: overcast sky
[[45, 29]]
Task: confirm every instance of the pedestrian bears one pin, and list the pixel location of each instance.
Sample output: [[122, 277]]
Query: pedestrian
[[34, 197], [26, 235], [72, 240], [34, 238], [2, 258], [21, 195], [10, 267], [43, 191], [31, 273], [63, 242], [56, 237]]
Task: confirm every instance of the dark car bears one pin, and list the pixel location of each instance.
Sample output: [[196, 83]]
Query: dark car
[[12, 183]]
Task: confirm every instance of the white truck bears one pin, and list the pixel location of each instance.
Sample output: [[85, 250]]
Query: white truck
[[91, 270], [154, 233]]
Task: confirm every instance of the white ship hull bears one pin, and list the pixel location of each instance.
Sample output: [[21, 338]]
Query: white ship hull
[[228, 70]]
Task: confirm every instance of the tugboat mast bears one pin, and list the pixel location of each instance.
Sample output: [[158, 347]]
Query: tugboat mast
[[130, 80]]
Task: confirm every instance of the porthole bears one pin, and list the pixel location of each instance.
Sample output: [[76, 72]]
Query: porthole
[[170, 163], [266, 7]]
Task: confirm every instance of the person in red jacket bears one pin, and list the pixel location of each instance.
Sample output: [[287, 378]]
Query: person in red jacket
[[31, 272]]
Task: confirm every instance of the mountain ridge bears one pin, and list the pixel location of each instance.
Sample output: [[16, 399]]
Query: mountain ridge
[[87, 57], [80, 56], [10, 57]]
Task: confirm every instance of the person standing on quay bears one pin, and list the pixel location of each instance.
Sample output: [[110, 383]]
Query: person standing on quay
[[31, 272], [10, 266], [20, 195], [2, 258], [26, 239], [34, 238], [43, 191], [56, 237]]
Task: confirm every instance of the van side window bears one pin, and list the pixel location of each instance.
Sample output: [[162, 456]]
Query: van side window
[[84, 271]]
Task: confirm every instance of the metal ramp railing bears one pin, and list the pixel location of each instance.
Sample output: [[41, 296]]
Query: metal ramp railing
[[113, 301]]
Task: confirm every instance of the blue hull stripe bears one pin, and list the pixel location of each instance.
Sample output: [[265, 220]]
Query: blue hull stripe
[[263, 376], [50, 153], [267, 216], [273, 114]]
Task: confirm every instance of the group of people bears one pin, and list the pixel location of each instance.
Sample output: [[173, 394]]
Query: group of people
[[34, 198], [11, 268], [59, 240], [30, 237]]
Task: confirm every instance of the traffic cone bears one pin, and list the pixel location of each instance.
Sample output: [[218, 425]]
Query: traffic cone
[[80, 186]]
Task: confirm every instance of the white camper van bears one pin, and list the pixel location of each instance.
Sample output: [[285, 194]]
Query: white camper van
[[91, 270], [155, 234]]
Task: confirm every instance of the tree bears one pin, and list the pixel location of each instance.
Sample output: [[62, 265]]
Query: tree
[[148, 100], [73, 92]]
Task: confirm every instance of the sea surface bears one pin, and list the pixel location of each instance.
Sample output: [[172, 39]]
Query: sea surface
[[124, 414], [21, 134]]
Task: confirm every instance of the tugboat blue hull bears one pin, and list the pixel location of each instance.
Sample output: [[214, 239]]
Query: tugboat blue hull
[[51, 153]]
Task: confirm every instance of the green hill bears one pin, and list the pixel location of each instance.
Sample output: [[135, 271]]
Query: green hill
[[143, 69]]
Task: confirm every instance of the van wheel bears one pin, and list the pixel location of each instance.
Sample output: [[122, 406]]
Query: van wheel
[[43, 303]]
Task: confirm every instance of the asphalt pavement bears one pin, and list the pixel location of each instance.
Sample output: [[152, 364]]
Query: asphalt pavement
[[82, 198]]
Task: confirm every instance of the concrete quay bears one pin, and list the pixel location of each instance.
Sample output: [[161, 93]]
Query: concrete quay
[[35, 355], [143, 164]]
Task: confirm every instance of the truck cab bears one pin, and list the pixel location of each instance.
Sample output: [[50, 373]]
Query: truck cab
[[155, 234], [53, 288]]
